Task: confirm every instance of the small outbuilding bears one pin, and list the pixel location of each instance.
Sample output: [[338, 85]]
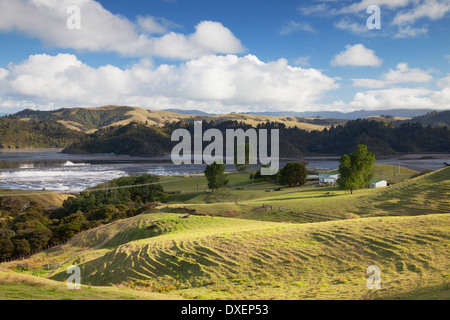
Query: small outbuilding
[[325, 178], [375, 183]]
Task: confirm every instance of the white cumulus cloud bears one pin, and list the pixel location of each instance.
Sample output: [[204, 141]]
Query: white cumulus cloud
[[102, 31], [393, 98], [430, 9], [401, 74], [357, 56], [388, 94]]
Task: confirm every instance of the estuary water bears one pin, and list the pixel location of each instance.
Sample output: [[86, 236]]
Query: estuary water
[[56, 171]]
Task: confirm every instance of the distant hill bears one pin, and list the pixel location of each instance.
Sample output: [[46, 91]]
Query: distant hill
[[133, 139], [403, 113], [91, 119], [191, 112], [16, 133], [81, 119], [434, 119]]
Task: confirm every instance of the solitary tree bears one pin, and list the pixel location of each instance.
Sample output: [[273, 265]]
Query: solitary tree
[[356, 170], [293, 174], [215, 174]]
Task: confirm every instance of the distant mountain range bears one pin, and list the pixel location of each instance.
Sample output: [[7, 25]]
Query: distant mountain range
[[190, 112], [402, 113]]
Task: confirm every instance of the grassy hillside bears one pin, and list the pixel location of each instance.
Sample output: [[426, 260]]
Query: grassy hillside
[[43, 199], [16, 133], [91, 119], [248, 200], [204, 257], [386, 118], [426, 194], [435, 119], [14, 286], [391, 173], [81, 119]]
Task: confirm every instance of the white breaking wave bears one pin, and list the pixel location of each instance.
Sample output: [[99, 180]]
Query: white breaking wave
[[27, 166], [71, 164]]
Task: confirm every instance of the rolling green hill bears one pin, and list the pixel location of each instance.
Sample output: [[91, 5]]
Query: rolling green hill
[[422, 195], [403, 229], [205, 257], [42, 199], [16, 286]]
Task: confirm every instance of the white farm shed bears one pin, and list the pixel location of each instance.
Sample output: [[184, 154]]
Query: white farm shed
[[325, 178], [378, 183]]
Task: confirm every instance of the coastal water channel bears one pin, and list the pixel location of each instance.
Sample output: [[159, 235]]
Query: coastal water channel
[[56, 171]]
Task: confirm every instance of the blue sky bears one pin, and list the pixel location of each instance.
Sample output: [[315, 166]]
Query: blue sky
[[224, 55]]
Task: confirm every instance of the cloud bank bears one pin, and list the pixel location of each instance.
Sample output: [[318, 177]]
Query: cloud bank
[[225, 83]]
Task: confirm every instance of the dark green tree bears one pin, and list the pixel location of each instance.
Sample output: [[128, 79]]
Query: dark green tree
[[215, 174], [21, 247], [293, 174], [66, 231], [356, 170], [6, 248], [149, 189], [39, 238], [257, 176]]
